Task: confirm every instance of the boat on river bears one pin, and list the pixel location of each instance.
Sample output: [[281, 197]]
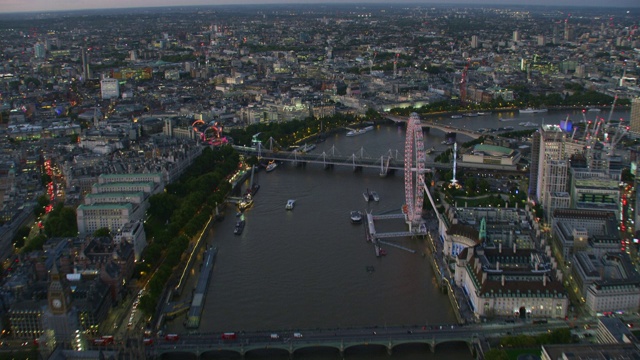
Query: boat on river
[[356, 216], [290, 204], [239, 226], [532, 111], [364, 130], [375, 196], [245, 203], [367, 196], [528, 124], [306, 148], [253, 190], [271, 166]]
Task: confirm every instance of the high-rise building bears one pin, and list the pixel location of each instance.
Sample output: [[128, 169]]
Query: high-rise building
[[555, 39], [541, 40], [516, 36], [85, 65], [548, 144], [554, 184], [39, 51], [634, 121], [109, 88], [568, 31], [474, 42]]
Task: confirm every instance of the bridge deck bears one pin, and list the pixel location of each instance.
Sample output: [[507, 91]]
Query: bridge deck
[[388, 216], [398, 246]]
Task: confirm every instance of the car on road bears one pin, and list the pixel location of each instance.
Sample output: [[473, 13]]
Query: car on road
[[297, 335], [229, 336]]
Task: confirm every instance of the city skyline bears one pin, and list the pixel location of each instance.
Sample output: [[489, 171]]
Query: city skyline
[[9, 6]]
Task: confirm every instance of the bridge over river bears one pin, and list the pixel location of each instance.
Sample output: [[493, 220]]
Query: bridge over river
[[339, 340], [343, 341], [445, 128]]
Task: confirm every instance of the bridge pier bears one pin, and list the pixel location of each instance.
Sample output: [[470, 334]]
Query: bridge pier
[[389, 349], [328, 166], [432, 345], [357, 168]]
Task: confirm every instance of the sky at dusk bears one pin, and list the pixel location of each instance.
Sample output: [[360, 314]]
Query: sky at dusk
[[49, 5]]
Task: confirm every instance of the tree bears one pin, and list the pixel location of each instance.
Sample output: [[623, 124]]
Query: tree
[[41, 202], [35, 243], [61, 222], [496, 354], [627, 175], [20, 236], [102, 232]]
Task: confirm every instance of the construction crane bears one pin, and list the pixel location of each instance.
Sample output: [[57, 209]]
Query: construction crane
[[613, 106], [591, 140], [463, 83], [395, 66], [375, 53], [621, 130]]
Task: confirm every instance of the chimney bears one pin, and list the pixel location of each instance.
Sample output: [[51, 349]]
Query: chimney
[[497, 265], [536, 266], [514, 248], [502, 279], [544, 280], [484, 277], [500, 248]]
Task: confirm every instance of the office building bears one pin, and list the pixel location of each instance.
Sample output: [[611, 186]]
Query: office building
[[39, 51], [86, 74], [549, 181], [474, 42], [109, 88], [581, 230], [508, 281]]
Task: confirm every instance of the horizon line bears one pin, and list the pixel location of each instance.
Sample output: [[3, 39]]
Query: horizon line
[[334, 2]]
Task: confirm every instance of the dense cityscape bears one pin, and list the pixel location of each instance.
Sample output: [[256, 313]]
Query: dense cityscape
[[128, 133]]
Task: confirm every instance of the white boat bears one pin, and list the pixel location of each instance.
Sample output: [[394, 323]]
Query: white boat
[[356, 216], [456, 116], [271, 166], [360, 131], [367, 196], [306, 148], [432, 149], [594, 110], [375, 196], [290, 204], [482, 113], [528, 124], [532, 111], [507, 119]]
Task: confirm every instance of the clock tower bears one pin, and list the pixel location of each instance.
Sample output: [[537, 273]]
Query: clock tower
[[58, 295]]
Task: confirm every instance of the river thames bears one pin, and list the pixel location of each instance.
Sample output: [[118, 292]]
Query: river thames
[[311, 267]]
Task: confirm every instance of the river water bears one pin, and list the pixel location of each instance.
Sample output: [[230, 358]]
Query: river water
[[308, 268]]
